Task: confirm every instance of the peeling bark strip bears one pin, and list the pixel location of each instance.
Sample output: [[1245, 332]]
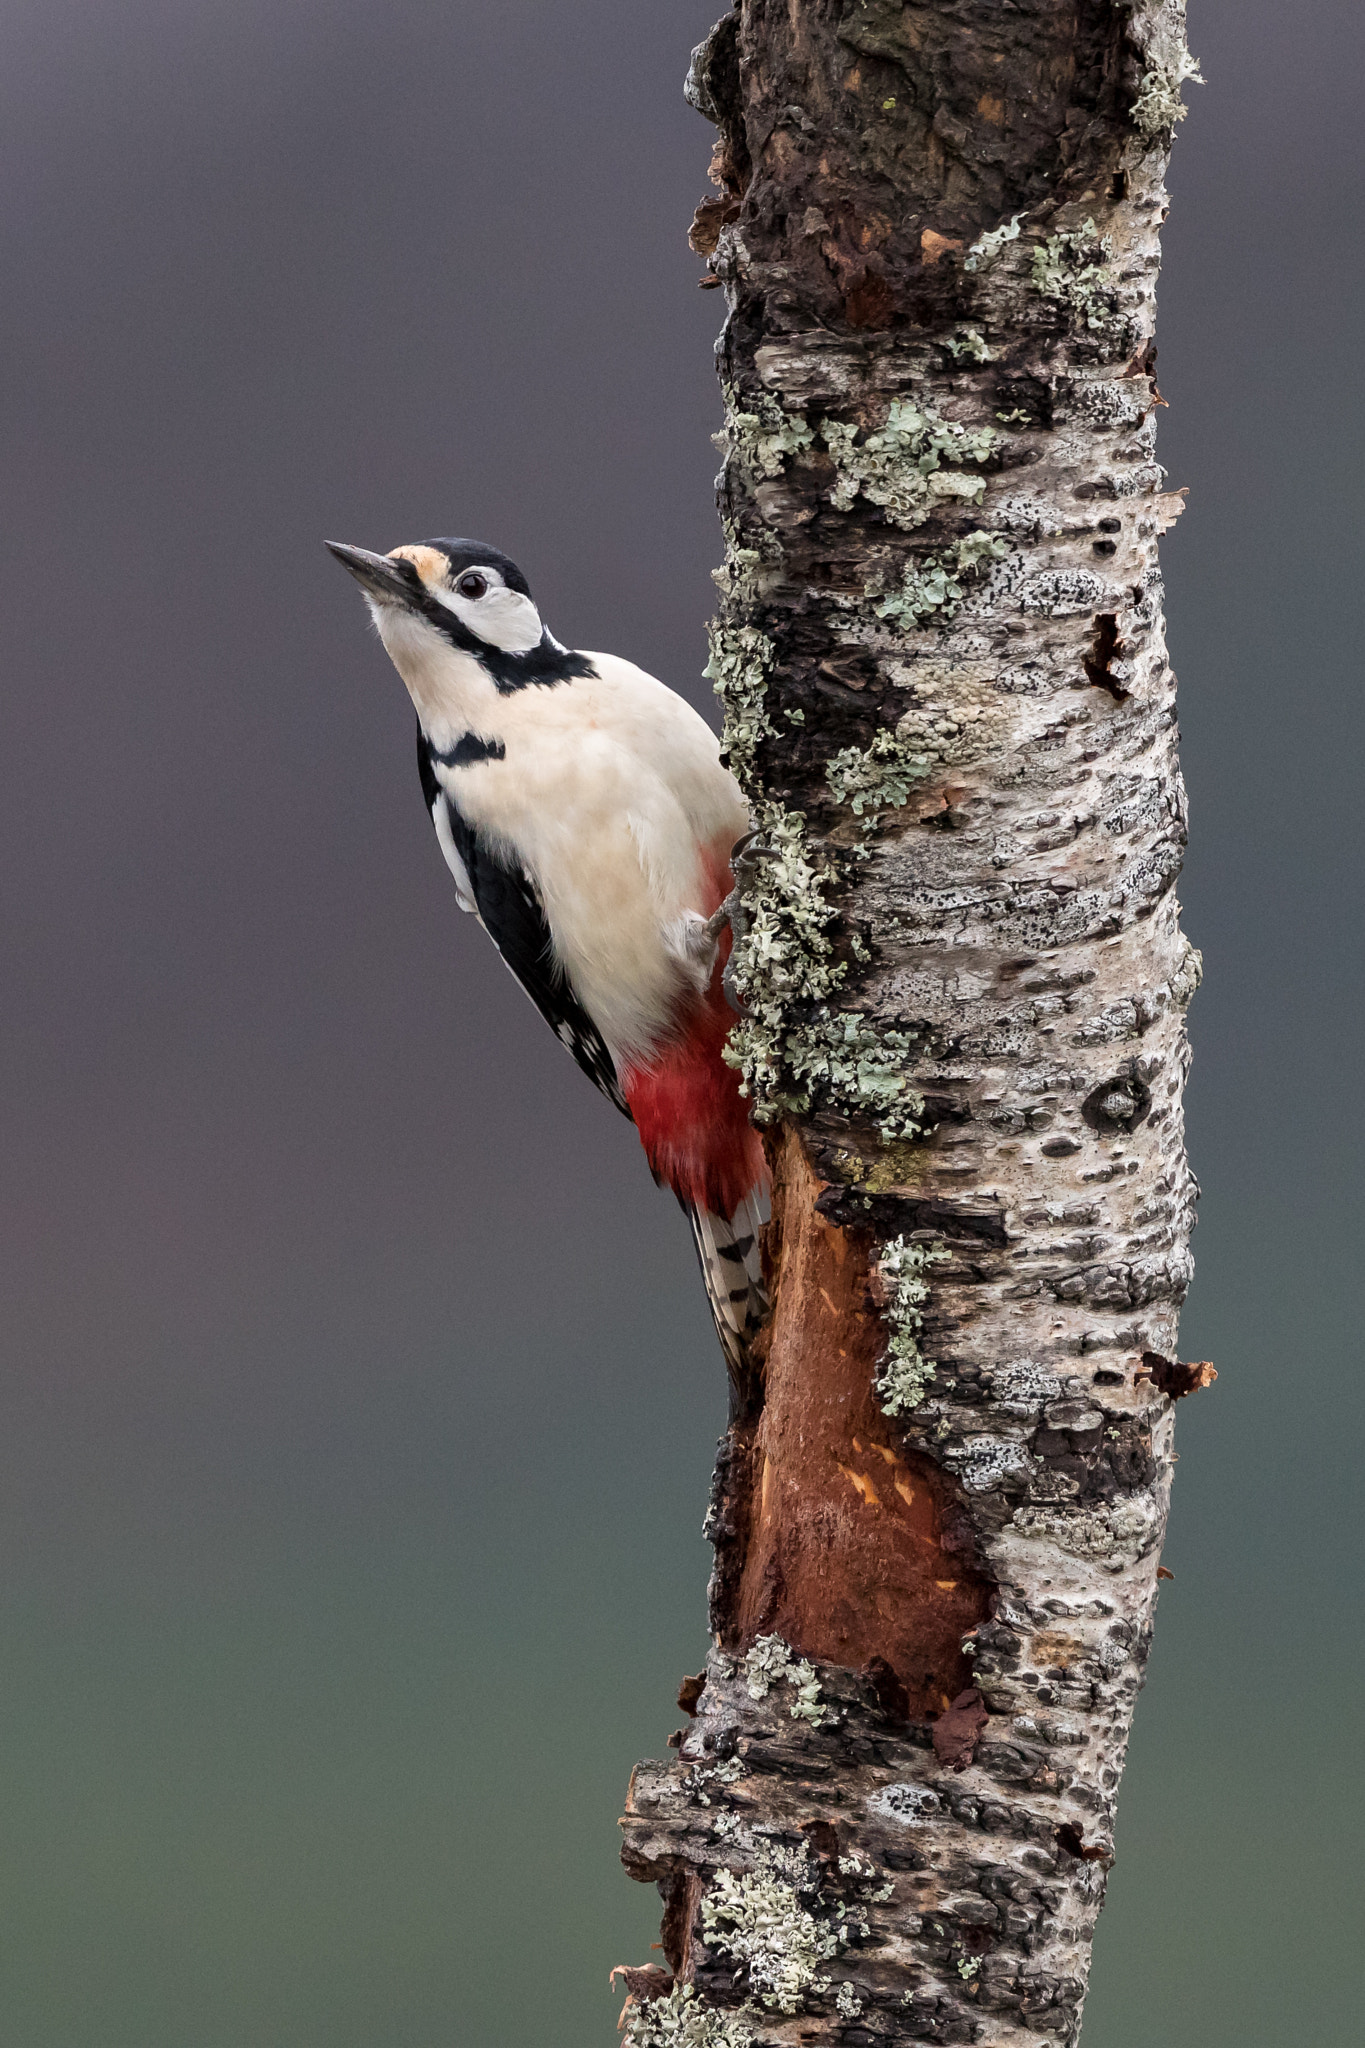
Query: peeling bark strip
[[940, 652]]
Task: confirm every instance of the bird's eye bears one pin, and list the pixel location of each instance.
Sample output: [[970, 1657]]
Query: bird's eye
[[472, 584]]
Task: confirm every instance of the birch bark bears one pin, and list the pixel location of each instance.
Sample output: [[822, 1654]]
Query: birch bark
[[940, 652]]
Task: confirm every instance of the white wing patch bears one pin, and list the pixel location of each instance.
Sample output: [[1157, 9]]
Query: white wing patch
[[464, 892]]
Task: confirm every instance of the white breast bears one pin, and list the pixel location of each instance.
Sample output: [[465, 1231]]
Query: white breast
[[610, 794]]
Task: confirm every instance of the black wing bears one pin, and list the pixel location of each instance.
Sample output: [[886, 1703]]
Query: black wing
[[513, 917]]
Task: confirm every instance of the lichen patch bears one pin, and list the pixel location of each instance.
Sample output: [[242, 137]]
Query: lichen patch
[[906, 1374]]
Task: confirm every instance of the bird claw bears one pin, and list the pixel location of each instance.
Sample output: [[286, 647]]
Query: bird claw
[[746, 858], [697, 939], [715, 924]]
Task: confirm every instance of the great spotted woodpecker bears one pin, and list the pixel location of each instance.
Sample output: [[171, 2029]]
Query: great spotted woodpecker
[[584, 812]]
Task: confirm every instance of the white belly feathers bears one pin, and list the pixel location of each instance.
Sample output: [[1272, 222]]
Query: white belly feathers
[[608, 795]]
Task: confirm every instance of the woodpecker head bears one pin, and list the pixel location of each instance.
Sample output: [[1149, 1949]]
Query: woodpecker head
[[464, 590], [455, 617]]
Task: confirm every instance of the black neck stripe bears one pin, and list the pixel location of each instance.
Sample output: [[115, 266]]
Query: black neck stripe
[[468, 748], [547, 663]]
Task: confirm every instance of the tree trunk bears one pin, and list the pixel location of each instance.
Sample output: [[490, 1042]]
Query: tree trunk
[[963, 985]]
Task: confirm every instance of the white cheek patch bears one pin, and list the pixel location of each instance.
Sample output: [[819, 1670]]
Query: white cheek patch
[[501, 618], [507, 620]]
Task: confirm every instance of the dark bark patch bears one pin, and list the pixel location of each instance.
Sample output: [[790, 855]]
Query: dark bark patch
[[892, 1697], [958, 1730], [681, 1891], [1103, 648], [1068, 1837], [889, 1216], [689, 1692], [1172, 1378], [910, 129], [1099, 1460], [714, 88], [1144, 365], [823, 1837]]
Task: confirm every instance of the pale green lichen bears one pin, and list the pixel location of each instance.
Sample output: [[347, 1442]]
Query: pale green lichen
[[1073, 266], [739, 579], [838, 1056], [783, 954], [764, 435], [741, 667], [908, 465], [987, 247], [935, 584], [876, 778], [968, 345], [770, 1663], [848, 2005], [1158, 105], [791, 1044], [865, 1875], [694, 1785], [782, 968], [758, 1920], [905, 1374], [682, 2020], [967, 1967]]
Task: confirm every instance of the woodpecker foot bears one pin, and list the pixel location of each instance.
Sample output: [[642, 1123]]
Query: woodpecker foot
[[718, 920], [746, 858]]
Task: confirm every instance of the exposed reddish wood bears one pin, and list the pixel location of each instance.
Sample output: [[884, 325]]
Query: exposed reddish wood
[[851, 1553]]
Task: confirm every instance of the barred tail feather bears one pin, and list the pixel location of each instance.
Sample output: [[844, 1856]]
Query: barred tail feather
[[732, 1267]]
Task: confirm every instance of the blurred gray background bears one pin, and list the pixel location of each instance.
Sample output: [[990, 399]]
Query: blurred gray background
[[359, 1399]]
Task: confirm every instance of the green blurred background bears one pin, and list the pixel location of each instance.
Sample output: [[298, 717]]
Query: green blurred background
[[358, 1398]]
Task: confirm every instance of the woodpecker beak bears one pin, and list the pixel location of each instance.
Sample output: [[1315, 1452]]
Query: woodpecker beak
[[378, 577]]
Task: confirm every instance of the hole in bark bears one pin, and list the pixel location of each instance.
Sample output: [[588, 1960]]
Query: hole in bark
[[1102, 651], [1118, 1104]]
